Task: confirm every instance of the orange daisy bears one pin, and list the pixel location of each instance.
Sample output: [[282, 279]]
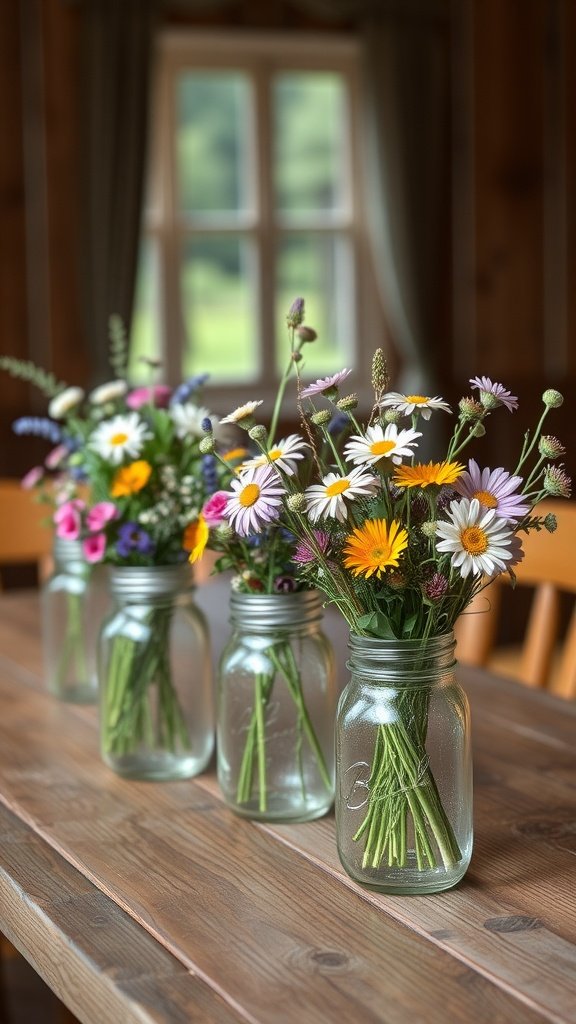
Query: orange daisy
[[131, 479], [424, 474], [374, 547]]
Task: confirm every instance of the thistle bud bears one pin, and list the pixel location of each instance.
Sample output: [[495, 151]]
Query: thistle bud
[[296, 502], [478, 430], [429, 528], [319, 419], [206, 425], [552, 398], [550, 447], [347, 403], [258, 433], [550, 522], [207, 445], [470, 409], [556, 482], [295, 313], [391, 416]]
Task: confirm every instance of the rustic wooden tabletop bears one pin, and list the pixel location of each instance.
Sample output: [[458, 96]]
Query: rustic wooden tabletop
[[153, 902]]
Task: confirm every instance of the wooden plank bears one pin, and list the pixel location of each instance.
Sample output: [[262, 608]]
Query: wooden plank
[[216, 890], [92, 955]]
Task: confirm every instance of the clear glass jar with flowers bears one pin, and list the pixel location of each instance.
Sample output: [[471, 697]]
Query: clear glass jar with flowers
[[276, 678], [401, 547]]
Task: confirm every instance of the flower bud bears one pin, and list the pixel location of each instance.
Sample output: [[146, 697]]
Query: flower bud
[[207, 445], [258, 433], [470, 409], [478, 430], [296, 356], [306, 333], [295, 313], [550, 522], [347, 403], [429, 528], [296, 502], [206, 425], [550, 447], [391, 416], [557, 483], [319, 419], [380, 375], [552, 398]]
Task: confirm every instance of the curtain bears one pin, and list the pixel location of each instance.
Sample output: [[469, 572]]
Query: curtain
[[406, 163], [117, 41]]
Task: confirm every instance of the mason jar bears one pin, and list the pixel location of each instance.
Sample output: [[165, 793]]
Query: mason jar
[[154, 669], [70, 619], [404, 768], [276, 708]]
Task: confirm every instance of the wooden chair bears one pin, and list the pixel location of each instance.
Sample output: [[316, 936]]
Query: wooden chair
[[23, 537], [545, 659]]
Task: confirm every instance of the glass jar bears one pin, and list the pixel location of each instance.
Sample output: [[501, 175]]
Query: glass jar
[[154, 667], [276, 709], [70, 617], [404, 767]]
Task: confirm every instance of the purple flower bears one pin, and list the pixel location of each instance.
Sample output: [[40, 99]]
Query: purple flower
[[494, 488], [296, 313], [326, 385], [40, 426], [492, 395], [133, 539], [185, 390], [307, 550], [284, 585]]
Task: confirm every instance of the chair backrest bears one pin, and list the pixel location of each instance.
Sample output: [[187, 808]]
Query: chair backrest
[[549, 567], [23, 537]]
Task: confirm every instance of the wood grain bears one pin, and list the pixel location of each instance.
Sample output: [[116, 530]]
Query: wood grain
[[264, 917]]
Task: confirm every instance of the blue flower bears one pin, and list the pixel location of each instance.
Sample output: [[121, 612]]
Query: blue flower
[[185, 390], [338, 422], [40, 426], [131, 538]]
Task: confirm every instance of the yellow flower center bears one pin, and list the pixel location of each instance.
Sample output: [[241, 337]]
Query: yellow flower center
[[275, 454], [486, 498], [249, 495], [381, 554], [417, 399], [119, 439], [381, 447], [338, 487], [474, 540]]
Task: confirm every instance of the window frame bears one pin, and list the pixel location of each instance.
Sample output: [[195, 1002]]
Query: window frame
[[260, 55]]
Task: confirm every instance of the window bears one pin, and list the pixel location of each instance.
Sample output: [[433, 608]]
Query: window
[[252, 200]]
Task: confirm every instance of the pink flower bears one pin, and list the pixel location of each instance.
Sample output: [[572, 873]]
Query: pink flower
[[101, 514], [213, 510], [158, 395], [56, 456], [68, 527], [31, 478], [94, 547]]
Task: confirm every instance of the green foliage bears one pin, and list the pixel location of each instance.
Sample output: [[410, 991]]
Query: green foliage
[[26, 370]]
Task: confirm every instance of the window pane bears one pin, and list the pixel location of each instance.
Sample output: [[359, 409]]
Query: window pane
[[145, 334], [219, 309], [212, 129], [317, 267], [309, 156]]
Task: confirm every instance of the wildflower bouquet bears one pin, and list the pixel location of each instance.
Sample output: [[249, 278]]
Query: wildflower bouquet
[[245, 524], [401, 547], [136, 452]]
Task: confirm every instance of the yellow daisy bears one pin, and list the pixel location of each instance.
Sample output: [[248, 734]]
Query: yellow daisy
[[374, 546], [424, 474], [131, 479], [195, 538]]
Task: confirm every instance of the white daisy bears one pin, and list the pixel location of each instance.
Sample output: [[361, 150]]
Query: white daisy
[[479, 541], [407, 404], [257, 494], [243, 412], [377, 444], [188, 418], [119, 437], [63, 403], [108, 392], [329, 498], [285, 455]]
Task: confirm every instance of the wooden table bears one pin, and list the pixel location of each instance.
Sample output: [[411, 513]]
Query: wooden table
[[142, 902]]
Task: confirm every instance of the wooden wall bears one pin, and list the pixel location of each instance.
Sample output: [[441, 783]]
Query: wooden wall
[[512, 234]]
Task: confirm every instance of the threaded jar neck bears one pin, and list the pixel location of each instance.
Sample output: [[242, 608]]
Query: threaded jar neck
[[271, 612], [401, 661], [135, 583], [68, 552]]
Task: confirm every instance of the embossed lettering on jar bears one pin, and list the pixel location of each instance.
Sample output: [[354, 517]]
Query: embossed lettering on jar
[[404, 773]]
